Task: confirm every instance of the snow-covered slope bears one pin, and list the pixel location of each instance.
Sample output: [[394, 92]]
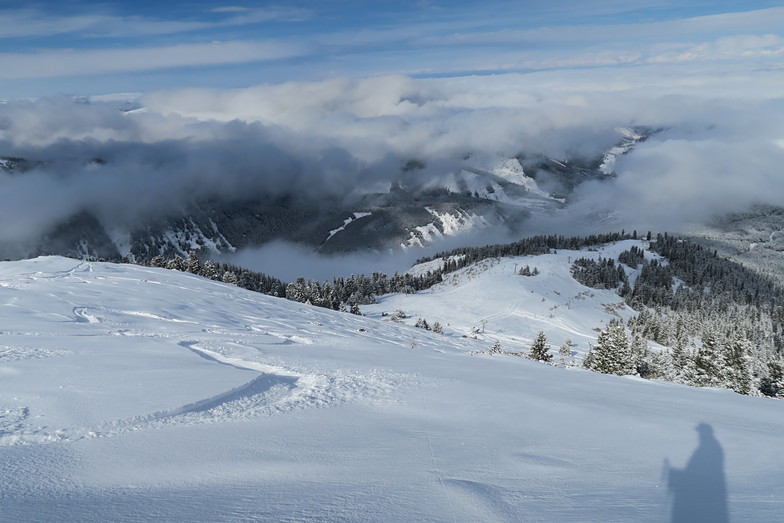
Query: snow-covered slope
[[491, 301], [136, 394]]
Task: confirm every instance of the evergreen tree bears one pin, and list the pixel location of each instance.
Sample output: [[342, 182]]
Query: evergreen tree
[[639, 353], [565, 353], [612, 354], [192, 264], [540, 350], [566, 349], [496, 348], [176, 264], [737, 368], [772, 385], [297, 291], [708, 364], [210, 270], [422, 324], [681, 365]]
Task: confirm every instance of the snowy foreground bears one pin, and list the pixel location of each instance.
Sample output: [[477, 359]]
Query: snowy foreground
[[136, 394]]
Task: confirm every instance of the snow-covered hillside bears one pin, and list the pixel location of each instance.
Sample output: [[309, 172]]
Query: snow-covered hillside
[[491, 301], [137, 394]]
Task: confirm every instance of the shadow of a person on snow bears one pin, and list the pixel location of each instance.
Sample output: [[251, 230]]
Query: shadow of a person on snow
[[699, 491]]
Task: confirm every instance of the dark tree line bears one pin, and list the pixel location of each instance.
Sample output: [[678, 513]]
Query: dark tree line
[[464, 256], [228, 273], [342, 293]]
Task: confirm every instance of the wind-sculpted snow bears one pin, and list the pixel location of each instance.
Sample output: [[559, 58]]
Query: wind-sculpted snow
[[133, 394], [182, 325]]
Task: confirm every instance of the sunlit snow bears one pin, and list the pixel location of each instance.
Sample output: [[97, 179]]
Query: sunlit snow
[[138, 394]]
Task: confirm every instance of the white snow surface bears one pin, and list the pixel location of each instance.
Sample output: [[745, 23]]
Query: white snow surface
[[452, 224], [139, 394], [355, 216], [511, 170], [630, 139]]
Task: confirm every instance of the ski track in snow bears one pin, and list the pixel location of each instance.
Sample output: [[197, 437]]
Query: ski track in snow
[[273, 391]]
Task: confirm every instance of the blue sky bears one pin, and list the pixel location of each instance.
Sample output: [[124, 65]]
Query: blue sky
[[79, 48]]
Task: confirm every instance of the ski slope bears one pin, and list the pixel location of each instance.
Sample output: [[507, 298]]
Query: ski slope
[[138, 394]]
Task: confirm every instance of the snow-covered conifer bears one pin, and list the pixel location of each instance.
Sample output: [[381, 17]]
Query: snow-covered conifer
[[422, 324], [708, 362], [540, 350], [565, 350], [737, 368], [612, 354], [192, 264]]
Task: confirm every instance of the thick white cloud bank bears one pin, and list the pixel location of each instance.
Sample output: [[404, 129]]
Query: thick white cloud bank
[[719, 150]]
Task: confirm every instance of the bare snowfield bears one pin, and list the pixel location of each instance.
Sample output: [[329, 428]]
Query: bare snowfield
[[138, 394]]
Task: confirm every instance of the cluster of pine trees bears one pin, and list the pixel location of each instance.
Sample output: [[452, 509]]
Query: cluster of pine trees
[[719, 360], [603, 273], [355, 290], [721, 323]]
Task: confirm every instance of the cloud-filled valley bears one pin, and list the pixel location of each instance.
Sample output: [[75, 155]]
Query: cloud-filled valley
[[129, 158]]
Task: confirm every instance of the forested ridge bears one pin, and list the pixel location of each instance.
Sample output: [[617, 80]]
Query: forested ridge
[[720, 323]]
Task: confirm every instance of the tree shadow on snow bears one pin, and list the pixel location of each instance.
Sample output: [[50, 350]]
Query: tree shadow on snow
[[699, 490]]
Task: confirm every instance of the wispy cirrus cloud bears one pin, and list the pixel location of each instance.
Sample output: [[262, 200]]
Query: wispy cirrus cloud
[[678, 30], [30, 22], [252, 15], [36, 23], [76, 62], [313, 40]]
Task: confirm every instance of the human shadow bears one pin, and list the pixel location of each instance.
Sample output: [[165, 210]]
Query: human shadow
[[699, 490]]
